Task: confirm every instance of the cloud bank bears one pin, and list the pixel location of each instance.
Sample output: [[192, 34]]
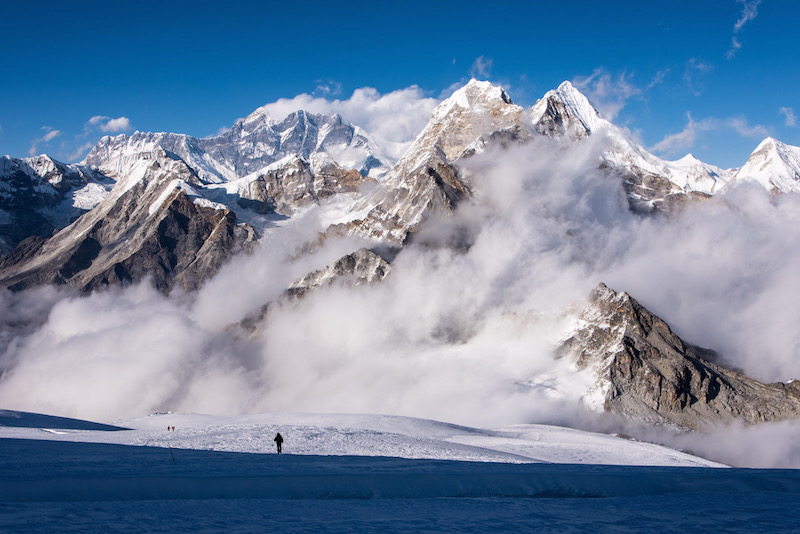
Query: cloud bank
[[463, 335]]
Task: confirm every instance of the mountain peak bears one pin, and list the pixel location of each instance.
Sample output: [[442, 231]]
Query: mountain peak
[[566, 111], [475, 95], [774, 165]]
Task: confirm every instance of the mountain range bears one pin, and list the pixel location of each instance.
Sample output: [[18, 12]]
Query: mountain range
[[173, 209]]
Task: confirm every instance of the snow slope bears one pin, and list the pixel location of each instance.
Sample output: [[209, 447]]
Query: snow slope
[[359, 435], [74, 476]]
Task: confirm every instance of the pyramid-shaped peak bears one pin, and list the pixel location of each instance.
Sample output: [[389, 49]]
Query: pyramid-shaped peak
[[774, 165], [566, 107], [770, 143], [475, 95], [769, 146]]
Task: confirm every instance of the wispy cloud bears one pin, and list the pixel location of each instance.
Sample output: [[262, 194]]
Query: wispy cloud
[[685, 139], [743, 128], [49, 135], [692, 74], [791, 118], [481, 68], [749, 12], [608, 93], [657, 79], [81, 150]]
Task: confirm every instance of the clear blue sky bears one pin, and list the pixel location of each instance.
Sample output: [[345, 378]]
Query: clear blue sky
[[716, 75]]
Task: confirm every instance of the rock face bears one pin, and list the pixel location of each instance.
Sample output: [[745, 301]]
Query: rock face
[[295, 183], [153, 225], [39, 195], [646, 372]]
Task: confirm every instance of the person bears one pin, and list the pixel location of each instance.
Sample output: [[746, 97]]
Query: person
[[278, 441]]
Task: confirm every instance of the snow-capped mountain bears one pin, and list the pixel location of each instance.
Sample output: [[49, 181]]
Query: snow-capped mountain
[[252, 144], [773, 165], [153, 223], [425, 180], [39, 195], [650, 182], [179, 207]]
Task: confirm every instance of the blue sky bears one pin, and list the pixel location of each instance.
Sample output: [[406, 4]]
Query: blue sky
[[708, 77]]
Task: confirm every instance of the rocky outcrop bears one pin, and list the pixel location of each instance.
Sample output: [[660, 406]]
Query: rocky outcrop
[[363, 266], [295, 183], [646, 372], [152, 225]]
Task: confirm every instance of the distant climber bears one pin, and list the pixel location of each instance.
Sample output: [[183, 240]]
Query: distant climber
[[278, 441]]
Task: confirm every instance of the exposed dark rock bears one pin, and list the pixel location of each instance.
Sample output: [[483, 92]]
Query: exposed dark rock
[[648, 373]]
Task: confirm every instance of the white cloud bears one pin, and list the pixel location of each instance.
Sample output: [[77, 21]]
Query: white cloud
[[108, 124], [607, 93], [45, 139], [393, 119], [749, 12], [791, 118], [481, 67], [685, 139]]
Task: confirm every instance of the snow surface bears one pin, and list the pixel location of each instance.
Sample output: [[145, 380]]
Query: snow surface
[[356, 473]]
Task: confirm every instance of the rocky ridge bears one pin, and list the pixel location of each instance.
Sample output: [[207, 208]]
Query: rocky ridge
[[153, 224], [647, 373]]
